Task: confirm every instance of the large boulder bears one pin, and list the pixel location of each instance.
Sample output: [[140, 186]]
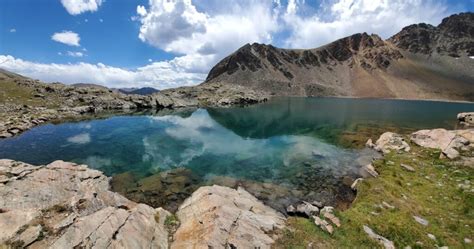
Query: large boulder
[[390, 141], [466, 118], [64, 205], [449, 142], [222, 217]]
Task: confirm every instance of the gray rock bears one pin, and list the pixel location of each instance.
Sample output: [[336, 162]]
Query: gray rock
[[324, 225], [318, 204], [331, 217], [307, 209], [449, 142], [368, 171], [30, 235], [466, 118], [390, 141], [70, 206], [421, 220], [385, 204], [355, 183], [431, 236], [327, 209], [221, 217], [407, 167], [387, 244]]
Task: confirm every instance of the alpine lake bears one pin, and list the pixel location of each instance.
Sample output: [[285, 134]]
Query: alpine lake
[[282, 151]]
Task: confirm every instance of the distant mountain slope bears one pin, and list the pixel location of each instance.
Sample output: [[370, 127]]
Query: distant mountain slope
[[86, 85], [140, 91], [420, 62]]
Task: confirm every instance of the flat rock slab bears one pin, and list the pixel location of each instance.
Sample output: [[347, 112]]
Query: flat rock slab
[[449, 142], [64, 205], [222, 217]]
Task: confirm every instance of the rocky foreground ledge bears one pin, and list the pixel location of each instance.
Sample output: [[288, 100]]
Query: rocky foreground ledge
[[64, 205]]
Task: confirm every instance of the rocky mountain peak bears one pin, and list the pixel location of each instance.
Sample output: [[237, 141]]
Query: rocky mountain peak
[[254, 57], [458, 25], [453, 37]]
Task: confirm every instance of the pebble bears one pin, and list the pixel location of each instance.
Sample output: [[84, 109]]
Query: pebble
[[407, 167], [385, 204], [421, 220], [431, 236]]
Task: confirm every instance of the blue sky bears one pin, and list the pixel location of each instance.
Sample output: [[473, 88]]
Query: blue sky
[[168, 43]]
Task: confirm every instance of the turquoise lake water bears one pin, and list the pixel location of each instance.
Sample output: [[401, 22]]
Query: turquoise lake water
[[301, 143]]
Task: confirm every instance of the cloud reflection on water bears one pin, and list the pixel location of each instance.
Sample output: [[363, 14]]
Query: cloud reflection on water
[[200, 136]]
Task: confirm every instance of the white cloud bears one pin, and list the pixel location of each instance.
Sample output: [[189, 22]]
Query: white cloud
[[76, 7], [75, 54], [67, 37], [205, 37], [192, 134], [345, 17], [160, 75], [141, 10], [12, 30], [83, 138], [202, 33], [167, 21]]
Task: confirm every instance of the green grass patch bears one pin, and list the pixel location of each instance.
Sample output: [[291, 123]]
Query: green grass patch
[[438, 191]]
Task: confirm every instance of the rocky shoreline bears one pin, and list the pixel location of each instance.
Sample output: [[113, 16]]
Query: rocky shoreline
[[63, 205], [27, 103]]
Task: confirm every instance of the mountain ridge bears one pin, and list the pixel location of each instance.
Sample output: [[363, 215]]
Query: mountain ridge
[[419, 62]]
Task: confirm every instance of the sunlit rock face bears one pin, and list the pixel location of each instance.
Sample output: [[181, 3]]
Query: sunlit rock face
[[65, 205]]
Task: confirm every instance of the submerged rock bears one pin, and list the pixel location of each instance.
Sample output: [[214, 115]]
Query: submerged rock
[[167, 189], [64, 205], [221, 217]]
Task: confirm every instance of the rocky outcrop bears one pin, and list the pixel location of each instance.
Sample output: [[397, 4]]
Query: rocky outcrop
[[449, 142], [454, 36], [221, 217], [63, 205], [322, 216], [466, 118], [388, 142]]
